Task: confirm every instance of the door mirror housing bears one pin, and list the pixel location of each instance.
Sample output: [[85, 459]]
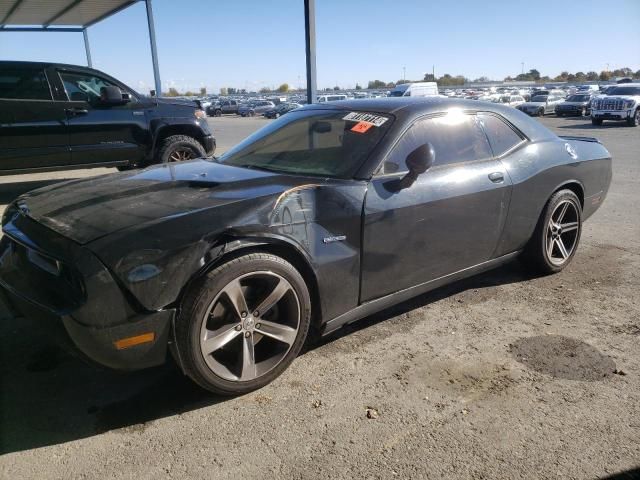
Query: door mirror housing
[[112, 95], [418, 162]]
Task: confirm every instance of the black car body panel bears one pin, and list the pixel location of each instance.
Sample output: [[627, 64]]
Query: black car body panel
[[135, 241], [59, 132]]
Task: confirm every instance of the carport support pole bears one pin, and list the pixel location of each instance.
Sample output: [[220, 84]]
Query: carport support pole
[[310, 39], [87, 49], [154, 50]]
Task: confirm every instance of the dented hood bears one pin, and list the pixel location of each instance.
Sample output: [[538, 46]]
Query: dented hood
[[87, 209]]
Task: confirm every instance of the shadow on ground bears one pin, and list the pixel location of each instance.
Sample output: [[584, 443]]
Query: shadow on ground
[[48, 396]]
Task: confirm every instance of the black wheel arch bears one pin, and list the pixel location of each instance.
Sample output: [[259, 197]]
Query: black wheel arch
[[230, 247], [167, 130]]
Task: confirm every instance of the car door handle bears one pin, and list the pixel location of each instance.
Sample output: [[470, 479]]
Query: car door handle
[[76, 111], [496, 177]]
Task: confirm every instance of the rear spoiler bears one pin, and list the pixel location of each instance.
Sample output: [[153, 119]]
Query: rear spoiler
[[582, 139]]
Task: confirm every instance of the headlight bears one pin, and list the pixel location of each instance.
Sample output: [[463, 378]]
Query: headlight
[[9, 213], [200, 114], [628, 104]]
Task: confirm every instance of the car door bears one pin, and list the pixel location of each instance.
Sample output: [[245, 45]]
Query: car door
[[100, 133], [450, 219], [33, 131]]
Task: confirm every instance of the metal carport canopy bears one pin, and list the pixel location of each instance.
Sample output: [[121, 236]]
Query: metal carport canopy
[[71, 16], [78, 15]]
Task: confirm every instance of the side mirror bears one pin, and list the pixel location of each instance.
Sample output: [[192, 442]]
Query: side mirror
[[111, 96], [418, 162]]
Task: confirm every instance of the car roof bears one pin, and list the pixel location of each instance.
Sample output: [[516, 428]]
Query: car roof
[[406, 109]]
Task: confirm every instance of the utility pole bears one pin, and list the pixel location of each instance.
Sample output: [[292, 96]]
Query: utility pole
[[404, 73], [522, 63]]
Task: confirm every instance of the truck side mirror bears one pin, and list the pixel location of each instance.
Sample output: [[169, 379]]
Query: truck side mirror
[[111, 95]]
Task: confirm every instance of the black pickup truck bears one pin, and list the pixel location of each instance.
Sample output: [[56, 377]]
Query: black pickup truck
[[58, 117]]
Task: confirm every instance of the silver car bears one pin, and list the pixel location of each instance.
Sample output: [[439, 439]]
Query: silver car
[[540, 105], [255, 108]]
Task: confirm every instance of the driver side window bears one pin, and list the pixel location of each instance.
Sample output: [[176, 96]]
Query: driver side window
[[456, 137], [83, 87]]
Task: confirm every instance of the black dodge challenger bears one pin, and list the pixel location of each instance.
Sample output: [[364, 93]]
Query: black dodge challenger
[[324, 216]]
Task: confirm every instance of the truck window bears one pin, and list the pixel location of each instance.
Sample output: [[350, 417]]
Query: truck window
[[24, 84], [84, 86]]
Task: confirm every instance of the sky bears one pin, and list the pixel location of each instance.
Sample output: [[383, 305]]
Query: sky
[[254, 43]]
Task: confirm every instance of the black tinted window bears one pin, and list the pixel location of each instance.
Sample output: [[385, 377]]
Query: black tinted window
[[24, 84], [83, 87], [456, 137], [501, 136], [624, 91]]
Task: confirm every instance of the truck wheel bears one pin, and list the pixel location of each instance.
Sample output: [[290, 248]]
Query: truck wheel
[[634, 120], [178, 148], [596, 121], [555, 239], [217, 113], [243, 324]]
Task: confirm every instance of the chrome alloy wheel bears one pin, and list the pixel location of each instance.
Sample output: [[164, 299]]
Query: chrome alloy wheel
[[181, 154], [250, 326], [562, 232]]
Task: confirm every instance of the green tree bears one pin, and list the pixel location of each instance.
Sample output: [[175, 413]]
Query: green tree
[[336, 88], [265, 90], [284, 88], [604, 76], [173, 92], [358, 87], [592, 75], [224, 91], [429, 77], [376, 84], [203, 90], [189, 93]]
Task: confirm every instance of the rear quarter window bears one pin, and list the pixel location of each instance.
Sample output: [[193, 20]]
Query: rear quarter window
[[24, 84], [502, 137]]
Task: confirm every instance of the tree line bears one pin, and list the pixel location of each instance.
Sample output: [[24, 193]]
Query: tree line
[[532, 75]]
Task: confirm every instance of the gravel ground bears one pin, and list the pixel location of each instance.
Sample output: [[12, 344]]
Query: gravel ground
[[502, 375]]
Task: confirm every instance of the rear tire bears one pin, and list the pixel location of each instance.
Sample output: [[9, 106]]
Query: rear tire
[[230, 347], [177, 148], [555, 240], [217, 113]]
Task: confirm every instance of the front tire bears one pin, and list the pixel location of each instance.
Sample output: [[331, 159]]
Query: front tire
[[178, 148], [243, 324], [541, 112], [635, 119], [555, 239]]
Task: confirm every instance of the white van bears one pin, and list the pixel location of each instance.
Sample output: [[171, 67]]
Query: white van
[[331, 98], [418, 89]]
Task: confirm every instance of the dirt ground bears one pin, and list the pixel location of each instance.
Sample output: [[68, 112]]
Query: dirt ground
[[501, 376]]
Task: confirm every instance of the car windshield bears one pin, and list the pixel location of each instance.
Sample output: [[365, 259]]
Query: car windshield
[[624, 91], [540, 98], [578, 98], [325, 143]]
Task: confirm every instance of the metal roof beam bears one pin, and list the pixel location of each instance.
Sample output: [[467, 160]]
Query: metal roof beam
[[111, 12], [66, 9], [42, 29], [13, 8]]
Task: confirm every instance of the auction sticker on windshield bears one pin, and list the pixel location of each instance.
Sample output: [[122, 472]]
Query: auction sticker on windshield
[[371, 118]]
